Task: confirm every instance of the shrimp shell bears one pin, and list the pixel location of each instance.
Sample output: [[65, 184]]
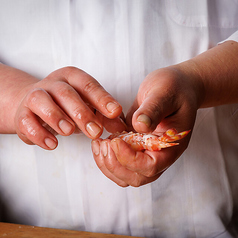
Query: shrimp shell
[[150, 142]]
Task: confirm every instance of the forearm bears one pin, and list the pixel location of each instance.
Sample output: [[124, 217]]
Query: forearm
[[14, 84], [216, 73]]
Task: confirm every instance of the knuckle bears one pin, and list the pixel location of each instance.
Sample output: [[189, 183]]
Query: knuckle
[[41, 103], [150, 168], [71, 70], [34, 96], [110, 166], [25, 126], [151, 172], [91, 87], [78, 113], [137, 180], [154, 109], [25, 139], [63, 90], [70, 73], [122, 184], [49, 115], [20, 125], [136, 183], [66, 72]]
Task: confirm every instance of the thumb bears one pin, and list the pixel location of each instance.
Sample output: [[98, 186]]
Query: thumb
[[154, 108]]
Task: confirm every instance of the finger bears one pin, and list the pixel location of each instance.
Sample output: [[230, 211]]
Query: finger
[[133, 178], [157, 99], [110, 166], [80, 112], [99, 159], [119, 171], [112, 125], [147, 163], [30, 130], [129, 115], [152, 111], [92, 92], [41, 104]]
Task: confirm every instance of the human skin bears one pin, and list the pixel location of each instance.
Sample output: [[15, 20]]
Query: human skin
[[169, 98], [64, 101]]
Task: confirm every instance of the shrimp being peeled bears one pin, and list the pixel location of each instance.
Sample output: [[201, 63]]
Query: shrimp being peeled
[[150, 142]]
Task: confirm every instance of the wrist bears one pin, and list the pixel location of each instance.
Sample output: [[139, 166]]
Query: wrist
[[192, 81], [216, 72], [14, 86]]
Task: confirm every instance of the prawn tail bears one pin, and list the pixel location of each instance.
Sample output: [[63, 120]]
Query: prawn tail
[[172, 135]]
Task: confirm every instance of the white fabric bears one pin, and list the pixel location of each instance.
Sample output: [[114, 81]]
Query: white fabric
[[233, 37], [119, 42]]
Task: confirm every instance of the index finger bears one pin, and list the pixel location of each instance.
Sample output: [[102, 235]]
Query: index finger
[[92, 92]]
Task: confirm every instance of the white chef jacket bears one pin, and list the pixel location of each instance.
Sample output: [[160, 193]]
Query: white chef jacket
[[119, 42]]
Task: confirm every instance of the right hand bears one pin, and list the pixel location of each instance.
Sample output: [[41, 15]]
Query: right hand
[[65, 100]]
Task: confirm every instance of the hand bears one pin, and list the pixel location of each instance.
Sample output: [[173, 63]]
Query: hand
[[63, 101], [167, 98]]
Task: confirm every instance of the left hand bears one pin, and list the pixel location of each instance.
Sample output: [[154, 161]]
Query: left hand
[[167, 98]]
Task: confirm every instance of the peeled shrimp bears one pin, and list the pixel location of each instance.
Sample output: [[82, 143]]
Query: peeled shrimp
[[150, 142]]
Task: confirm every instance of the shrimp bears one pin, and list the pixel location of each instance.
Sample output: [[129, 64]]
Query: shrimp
[[150, 142]]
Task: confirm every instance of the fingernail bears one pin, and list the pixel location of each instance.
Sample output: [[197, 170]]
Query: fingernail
[[93, 129], [50, 143], [65, 126], [96, 147], [144, 119], [112, 106], [104, 148], [114, 144]]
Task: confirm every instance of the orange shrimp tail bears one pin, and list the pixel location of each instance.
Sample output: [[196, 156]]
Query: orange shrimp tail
[[172, 135]]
